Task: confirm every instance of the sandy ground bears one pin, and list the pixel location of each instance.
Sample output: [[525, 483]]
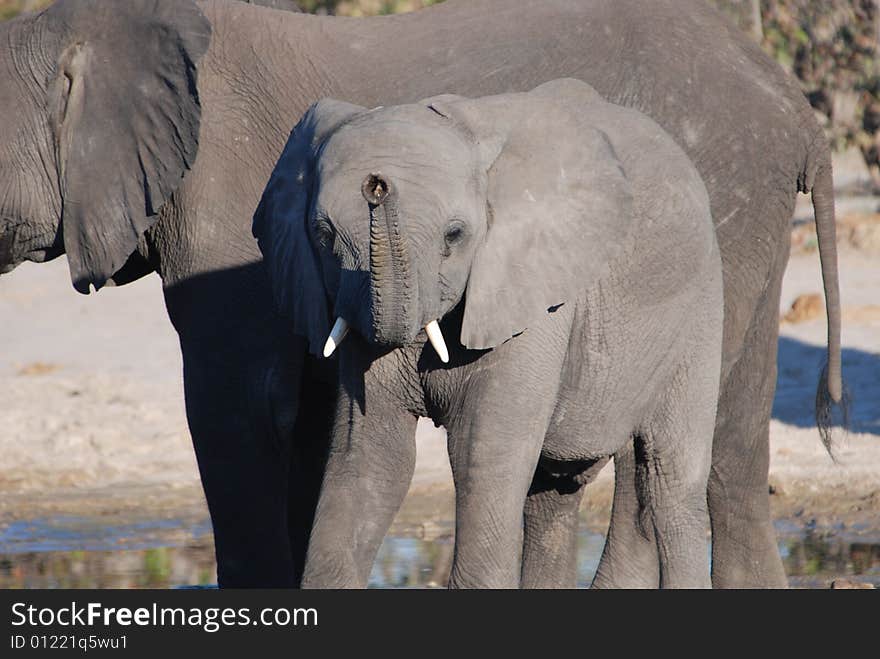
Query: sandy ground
[[92, 422]]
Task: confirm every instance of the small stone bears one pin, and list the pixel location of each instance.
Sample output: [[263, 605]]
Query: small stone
[[805, 307], [38, 368], [847, 584]]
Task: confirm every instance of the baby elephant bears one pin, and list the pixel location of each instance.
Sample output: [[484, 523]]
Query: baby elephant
[[558, 254]]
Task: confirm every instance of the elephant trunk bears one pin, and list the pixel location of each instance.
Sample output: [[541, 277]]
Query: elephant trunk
[[390, 276]]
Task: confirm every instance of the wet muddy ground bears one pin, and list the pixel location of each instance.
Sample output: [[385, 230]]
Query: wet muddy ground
[[64, 552]]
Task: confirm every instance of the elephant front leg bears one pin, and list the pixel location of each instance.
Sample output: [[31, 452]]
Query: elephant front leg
[[492, 467], [311, 441], [243, 455], [369, 470]]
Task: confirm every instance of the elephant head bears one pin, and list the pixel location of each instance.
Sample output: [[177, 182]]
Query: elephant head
[[387, 219], [100, 121]]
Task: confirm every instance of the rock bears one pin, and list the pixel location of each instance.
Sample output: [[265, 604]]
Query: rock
[[846, 584], [38, 368], [805, 307]]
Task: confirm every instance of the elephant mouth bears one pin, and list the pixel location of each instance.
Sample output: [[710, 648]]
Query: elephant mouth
[[341, 328], [14, 250], [7, 251]]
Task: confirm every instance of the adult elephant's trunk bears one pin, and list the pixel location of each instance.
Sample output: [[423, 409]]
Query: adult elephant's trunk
[[830, 390], [390, 276]]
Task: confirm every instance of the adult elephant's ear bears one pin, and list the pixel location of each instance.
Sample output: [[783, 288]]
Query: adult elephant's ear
[[559, 209], [281, 223], [125, 115]]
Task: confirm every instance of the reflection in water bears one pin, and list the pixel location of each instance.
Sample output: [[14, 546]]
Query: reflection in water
[[158, 567], [413, 563], [78, 553], [64, 533], [816, 558], [74, 552]]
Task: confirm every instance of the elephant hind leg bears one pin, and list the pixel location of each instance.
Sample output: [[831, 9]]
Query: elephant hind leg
[[745, 553], [550, 526], [673, 458], [629, 559]]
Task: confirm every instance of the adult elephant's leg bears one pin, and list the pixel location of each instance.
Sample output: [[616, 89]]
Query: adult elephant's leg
[[630, 558], [745, 553], [244, 469], [242, 373], [550, 526], [311, 441]]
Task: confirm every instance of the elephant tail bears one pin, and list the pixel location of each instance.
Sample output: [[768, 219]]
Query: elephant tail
[[830, 393]]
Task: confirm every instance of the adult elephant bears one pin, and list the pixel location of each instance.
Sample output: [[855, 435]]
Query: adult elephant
[[138, 136]]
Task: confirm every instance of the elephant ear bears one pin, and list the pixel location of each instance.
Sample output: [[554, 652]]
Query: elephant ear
[[559, 209], [281, 223], [125, 114]]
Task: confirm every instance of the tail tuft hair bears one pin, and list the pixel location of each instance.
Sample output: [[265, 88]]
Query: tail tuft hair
[[830, 413]]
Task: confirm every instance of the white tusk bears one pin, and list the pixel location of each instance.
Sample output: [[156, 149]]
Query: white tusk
[[337, 334], [435, 336]]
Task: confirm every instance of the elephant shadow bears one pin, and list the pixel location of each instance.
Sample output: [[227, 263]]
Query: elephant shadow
[[799, 367]]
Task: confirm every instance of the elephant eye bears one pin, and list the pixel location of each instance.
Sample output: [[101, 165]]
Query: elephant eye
[[455, 233], [324, 232]]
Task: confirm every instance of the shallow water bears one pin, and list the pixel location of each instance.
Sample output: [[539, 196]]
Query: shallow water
[[65, 552], [73, 552]]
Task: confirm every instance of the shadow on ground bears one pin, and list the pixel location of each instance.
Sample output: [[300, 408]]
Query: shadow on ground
[[799, 367]]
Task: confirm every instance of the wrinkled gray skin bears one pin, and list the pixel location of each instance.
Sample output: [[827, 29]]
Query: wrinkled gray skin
[[286, 5], [567, 247], [161, 163]]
